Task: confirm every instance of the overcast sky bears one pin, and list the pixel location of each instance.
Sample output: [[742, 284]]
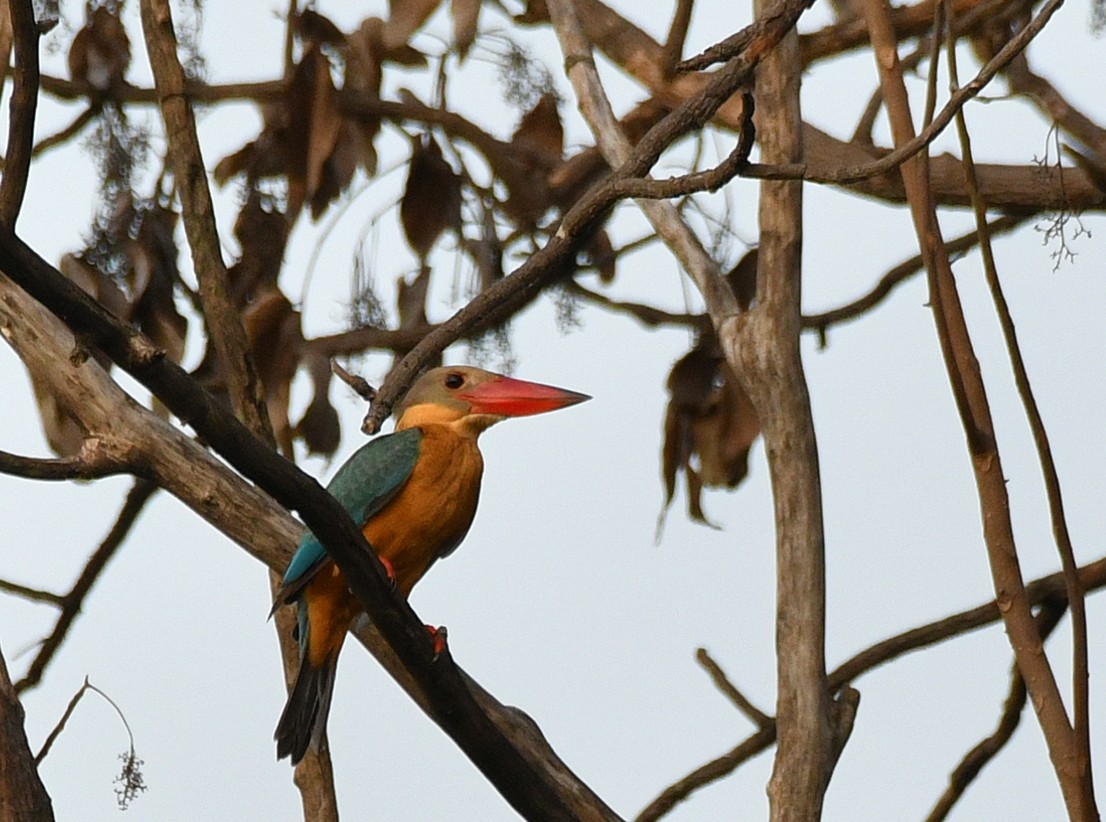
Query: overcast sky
[[559, 601]]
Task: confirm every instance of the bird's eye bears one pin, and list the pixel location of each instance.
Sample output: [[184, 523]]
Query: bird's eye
[[454, 380]]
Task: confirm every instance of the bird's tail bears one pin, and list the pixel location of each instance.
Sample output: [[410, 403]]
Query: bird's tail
[[303, 721]]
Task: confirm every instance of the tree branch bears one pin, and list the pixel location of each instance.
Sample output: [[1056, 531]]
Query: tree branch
[[93, 462], [21, 108], [71, 603]]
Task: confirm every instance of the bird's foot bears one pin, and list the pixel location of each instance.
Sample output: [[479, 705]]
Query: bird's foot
[[389, 571], [438, 637]]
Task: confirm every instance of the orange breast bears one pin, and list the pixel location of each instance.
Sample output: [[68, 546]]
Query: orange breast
[[433, 511]]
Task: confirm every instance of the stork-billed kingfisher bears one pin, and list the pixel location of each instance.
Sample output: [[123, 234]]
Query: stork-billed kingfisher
[[414, 494]]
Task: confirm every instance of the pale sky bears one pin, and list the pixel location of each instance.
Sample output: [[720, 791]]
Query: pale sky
[[559, 601]]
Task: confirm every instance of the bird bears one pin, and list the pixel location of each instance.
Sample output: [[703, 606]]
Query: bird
[[414, 494]]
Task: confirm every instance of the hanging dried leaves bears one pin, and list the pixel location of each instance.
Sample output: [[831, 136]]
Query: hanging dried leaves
[[100, 52], [276, 341], [306, 138], [541, 136], [431, 201], [709, 426], [152, 276], [710, 423], [319, 428]]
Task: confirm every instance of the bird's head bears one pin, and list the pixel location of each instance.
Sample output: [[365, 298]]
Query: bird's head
[[475, 399]]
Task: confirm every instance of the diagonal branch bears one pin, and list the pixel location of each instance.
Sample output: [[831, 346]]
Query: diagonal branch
[[92, 462], [71, 603]]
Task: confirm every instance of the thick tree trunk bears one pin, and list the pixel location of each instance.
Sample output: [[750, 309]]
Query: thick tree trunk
[[23, 797]]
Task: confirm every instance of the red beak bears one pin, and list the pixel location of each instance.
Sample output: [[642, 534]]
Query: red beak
[[508, 397]]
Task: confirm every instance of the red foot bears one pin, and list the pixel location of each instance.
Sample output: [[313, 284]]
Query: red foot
[[388, 569], [438, 637]]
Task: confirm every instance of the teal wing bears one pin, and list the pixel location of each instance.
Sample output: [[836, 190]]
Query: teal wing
[[363, 485]]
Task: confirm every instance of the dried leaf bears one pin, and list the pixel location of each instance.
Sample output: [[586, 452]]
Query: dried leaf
[[540, 128], [315, 28], [273, 331], [710, 425], [405, 17], [324, 124], [320, 428], [601, 254], [153, 264], [431, 201], [101, 51], [466, 17], [743, 279]]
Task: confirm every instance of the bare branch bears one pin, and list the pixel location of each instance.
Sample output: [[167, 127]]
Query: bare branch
[[94, 461], [711, 772], [722, 682], [32, 594], [677, 35], [21, 120], [136, 500]]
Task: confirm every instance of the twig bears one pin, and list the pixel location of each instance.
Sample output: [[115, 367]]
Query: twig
[[21, 118], [355, 381], [92, 462], [722, 682], [708, 180], [32, 594], [646, 314], [677, 36], [822, 321], [711, 772], [60, 726], [63, 136], [1080, 673], [71, 604], [130, 782], [973, 762]]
